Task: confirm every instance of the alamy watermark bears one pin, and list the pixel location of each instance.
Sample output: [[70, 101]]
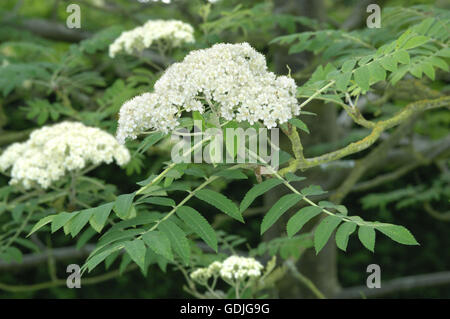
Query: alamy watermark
[[74, 279], [374, 279], [73, 21], [374, 19]]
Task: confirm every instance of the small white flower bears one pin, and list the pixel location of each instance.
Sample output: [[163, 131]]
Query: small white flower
[[54, 150], [172, 32]]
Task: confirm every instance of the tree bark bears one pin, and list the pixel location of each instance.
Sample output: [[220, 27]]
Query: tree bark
[[320, 269]]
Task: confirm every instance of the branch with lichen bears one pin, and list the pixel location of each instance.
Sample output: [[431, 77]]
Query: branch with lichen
[[292, 134], [378, 128], [364, 164]]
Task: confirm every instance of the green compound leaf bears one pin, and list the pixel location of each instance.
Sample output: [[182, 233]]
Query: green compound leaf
[[199, 224], [343, 233], [377, 72], [44, 221], [290, 177], [61, 219], [77, 223], [366, 235], [313, 190], [162, 201], [159, 243], [177, 239], [220, 202], [402, 56], [415, 42], [136, 249], [398, 233], [100, 215], [362, 77], [300, 218], [278, 209], [96, 258], [340, 208], [231, 174], [324, 231], [257, 191], [299, 124], [123, 205]]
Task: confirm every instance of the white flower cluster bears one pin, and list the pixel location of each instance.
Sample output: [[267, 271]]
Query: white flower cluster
[[232, 79], [231, 269], [173, 33], [148, 110], [53, 150], [240, 268], [201, 275]]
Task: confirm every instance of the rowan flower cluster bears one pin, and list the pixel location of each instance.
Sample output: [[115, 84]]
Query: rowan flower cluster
[[148, 110], [54, 150], [171, 33], [240, 268], [231, 80], [232, 269]]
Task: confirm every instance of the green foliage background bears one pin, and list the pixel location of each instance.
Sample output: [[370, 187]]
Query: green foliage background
[[94, 83]]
